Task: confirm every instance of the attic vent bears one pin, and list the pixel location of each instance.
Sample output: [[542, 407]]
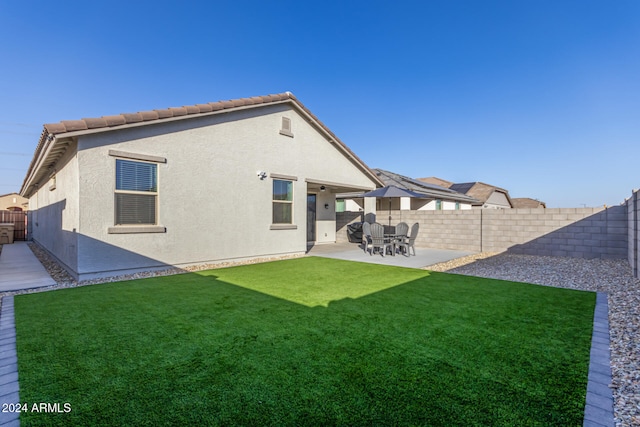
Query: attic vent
[[286, 127]]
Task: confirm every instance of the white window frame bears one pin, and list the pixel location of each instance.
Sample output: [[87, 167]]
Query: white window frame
[[291, 180]]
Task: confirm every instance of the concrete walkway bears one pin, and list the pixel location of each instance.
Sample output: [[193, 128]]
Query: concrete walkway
[[20, 269], [354, 252], [9, 389]]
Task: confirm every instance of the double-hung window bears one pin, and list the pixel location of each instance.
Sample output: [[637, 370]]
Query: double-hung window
[[136, 194], [282, 202]]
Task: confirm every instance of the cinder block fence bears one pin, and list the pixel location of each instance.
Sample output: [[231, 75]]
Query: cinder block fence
[[605, 233], [633, 236]]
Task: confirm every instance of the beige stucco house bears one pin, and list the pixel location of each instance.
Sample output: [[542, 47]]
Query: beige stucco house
[[13, 202], [224, 181]]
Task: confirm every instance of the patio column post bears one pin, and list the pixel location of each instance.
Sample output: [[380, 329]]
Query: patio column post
[[370, 209], [405, 203]]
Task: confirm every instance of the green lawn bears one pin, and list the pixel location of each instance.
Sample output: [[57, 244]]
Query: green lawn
[[309, 341]]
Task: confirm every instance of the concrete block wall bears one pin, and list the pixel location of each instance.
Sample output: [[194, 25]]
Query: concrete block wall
[[579, 233], [457, 230], [633, 235], [573, 232]]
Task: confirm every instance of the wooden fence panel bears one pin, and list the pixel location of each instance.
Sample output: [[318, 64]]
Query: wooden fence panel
[[19, 220]]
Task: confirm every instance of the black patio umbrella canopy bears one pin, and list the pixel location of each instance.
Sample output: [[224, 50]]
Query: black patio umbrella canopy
[[392, 191]]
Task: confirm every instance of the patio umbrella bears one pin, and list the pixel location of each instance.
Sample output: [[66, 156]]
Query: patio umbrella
[[392, 191]]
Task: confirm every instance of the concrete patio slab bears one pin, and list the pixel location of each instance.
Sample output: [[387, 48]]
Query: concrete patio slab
[[20, 269], [354, 252]]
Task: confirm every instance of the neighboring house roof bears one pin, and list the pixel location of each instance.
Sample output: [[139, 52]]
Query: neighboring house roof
[[430, 190], [56, 137], [526, 202], [480, 190], [437, 181]]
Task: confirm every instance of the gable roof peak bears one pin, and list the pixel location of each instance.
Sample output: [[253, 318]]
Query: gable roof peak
[[59, 133]]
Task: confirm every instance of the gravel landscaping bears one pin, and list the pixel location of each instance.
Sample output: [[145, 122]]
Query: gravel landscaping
[[611, 276]]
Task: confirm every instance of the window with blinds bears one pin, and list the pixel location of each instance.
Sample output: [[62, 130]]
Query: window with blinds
[[282, 202], [136, 193]]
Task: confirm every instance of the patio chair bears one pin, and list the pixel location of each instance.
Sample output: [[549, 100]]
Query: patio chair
[[366, 236], [402, 231], [378, 240], [410, 242]]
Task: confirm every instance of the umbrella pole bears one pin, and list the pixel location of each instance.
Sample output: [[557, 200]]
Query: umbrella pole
[[389, 214]]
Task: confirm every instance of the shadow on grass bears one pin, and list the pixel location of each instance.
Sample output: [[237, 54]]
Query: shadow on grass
[[428, 349], [316, 281]]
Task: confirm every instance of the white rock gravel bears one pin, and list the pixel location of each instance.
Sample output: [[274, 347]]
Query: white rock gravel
[[611, 276]]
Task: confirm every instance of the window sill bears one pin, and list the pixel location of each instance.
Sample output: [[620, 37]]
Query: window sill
[[136, 229], [283, 227]]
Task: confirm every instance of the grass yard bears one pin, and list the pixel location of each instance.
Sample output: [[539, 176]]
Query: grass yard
[[309, 341]]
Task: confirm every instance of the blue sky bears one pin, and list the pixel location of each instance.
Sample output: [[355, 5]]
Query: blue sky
[[539, 97]]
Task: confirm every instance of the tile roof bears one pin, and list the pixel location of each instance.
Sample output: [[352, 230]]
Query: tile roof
[[437, 181], [45, 155], [155, 115], [526, 202], [479, 190]]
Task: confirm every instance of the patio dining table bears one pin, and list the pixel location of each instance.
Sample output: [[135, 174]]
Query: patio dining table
[[394, 239]]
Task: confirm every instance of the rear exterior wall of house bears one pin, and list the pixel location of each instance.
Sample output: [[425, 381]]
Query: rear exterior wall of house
[[211, 205]]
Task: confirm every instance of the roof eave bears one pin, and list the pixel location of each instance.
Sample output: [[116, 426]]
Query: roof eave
[[43, 163], [49, 137]]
